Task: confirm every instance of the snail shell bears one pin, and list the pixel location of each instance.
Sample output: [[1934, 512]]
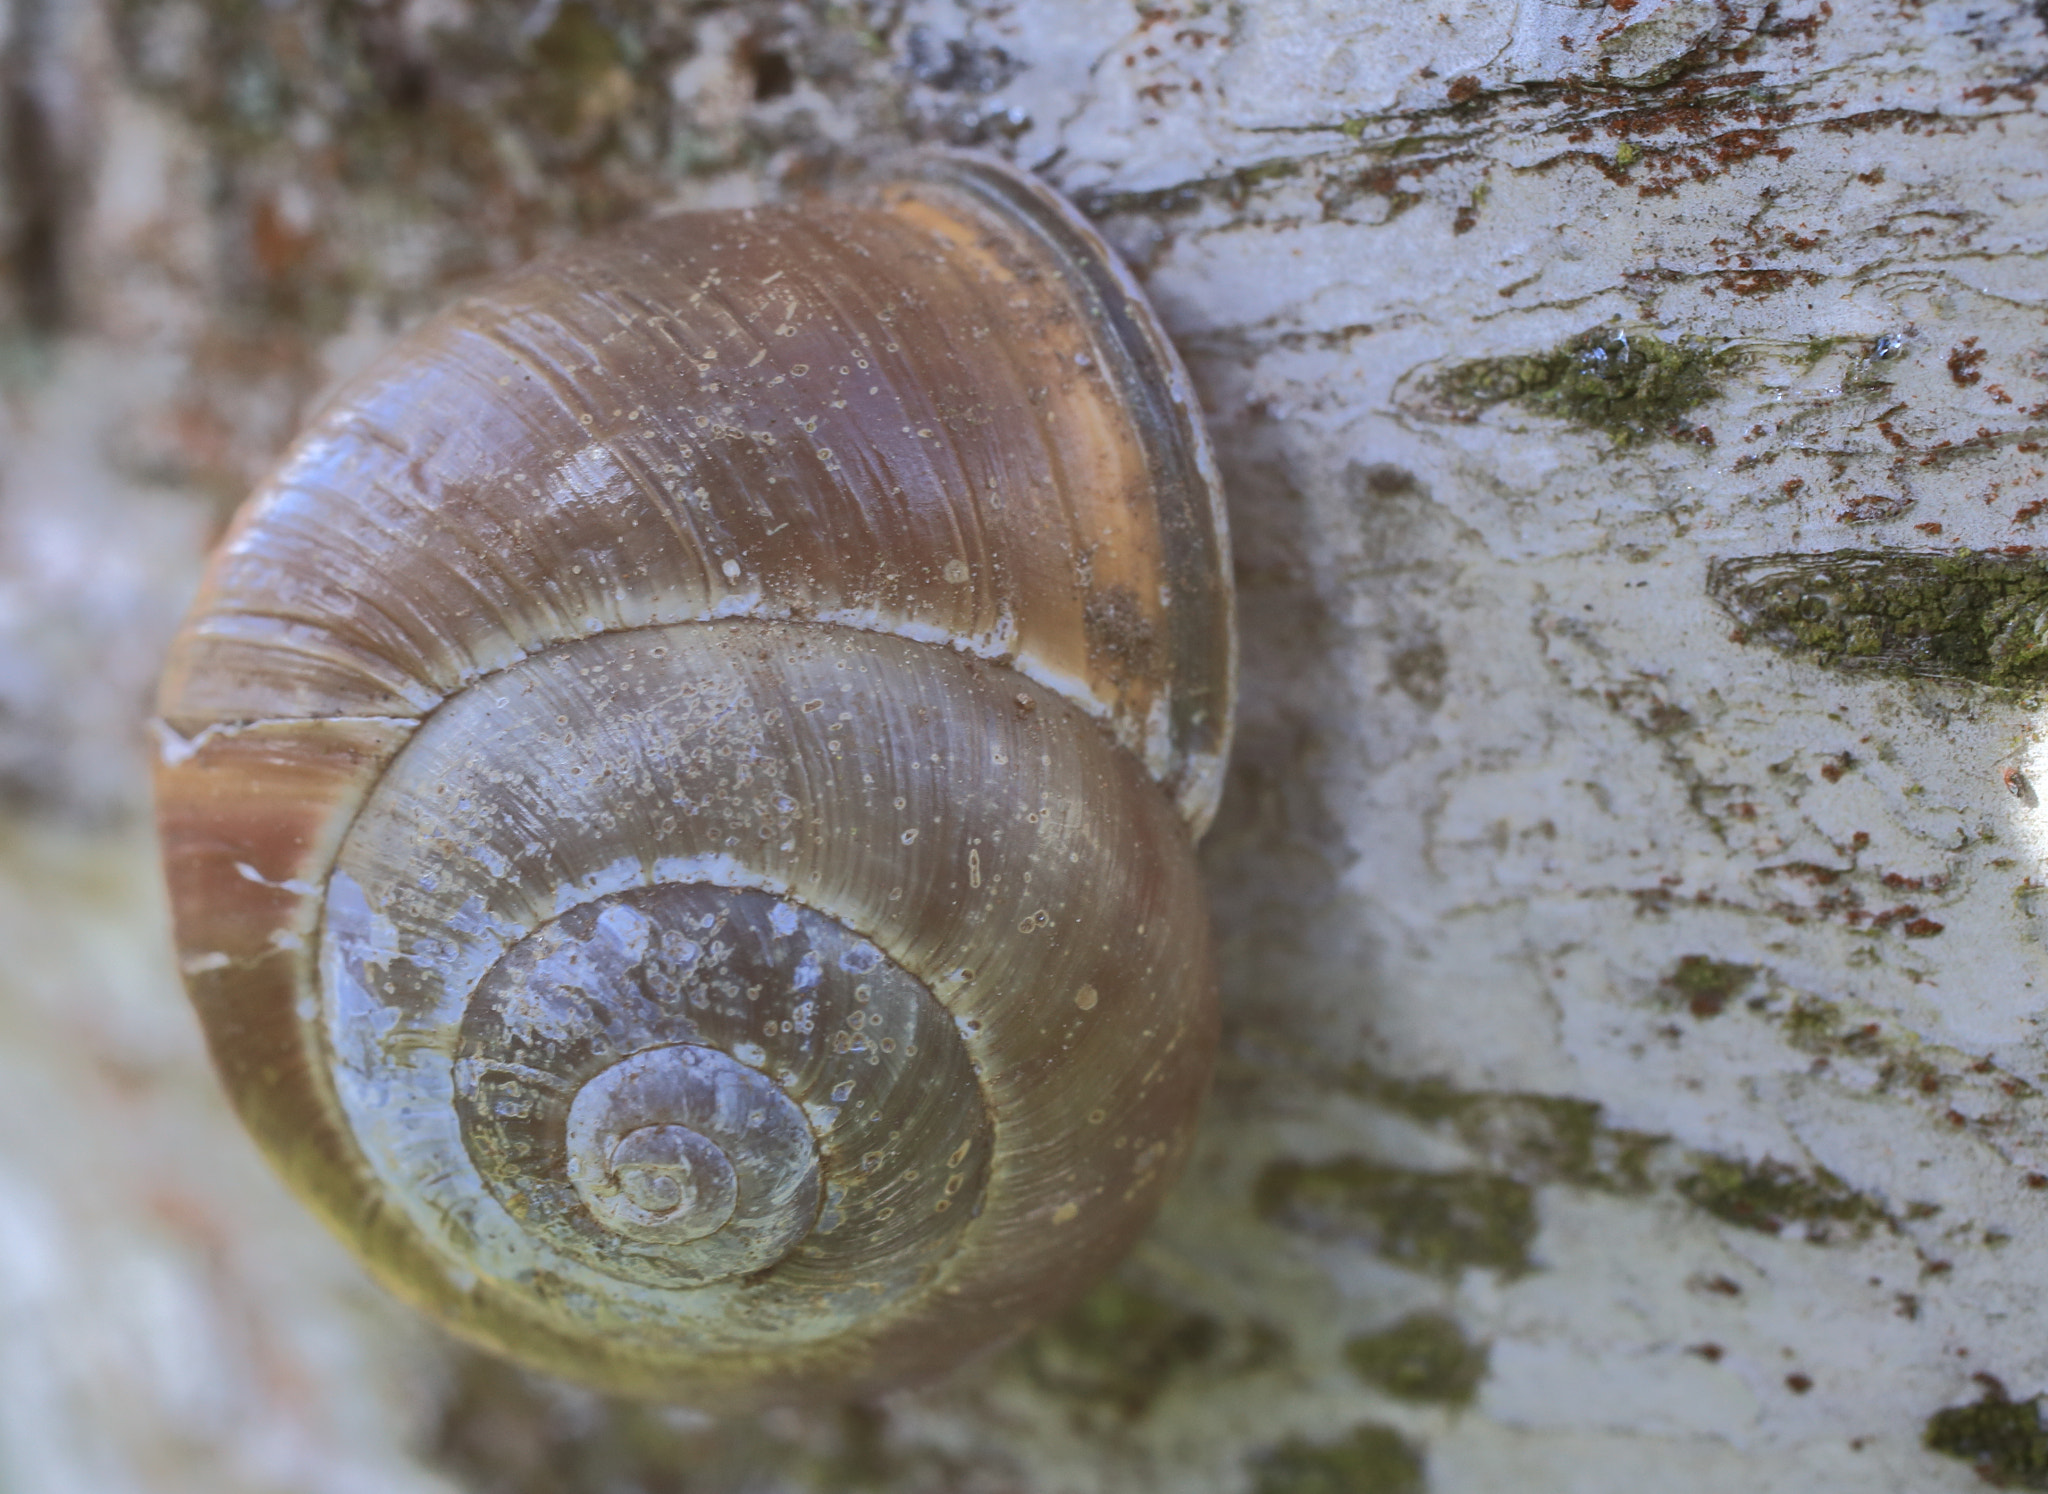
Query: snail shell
[[678, 795]]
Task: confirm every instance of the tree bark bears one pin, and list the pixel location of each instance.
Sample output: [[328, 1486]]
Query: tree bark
[[1632, 415]]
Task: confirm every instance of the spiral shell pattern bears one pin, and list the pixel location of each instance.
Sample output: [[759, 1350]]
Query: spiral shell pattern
[[709, 989]]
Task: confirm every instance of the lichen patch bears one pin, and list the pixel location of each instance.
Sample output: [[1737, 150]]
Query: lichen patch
[[1977, 616], [1631, 385]]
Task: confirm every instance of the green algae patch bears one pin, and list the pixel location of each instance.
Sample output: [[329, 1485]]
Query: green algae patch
[[1772, 1197], [1119, 1347], [1423, 1357], [1372, 1460], [578, 61], [1814, 1024], [1978, 616], [1632, 386], [1532, 1138], [1706, 985], [501, 1429], [2001, 1438], [1435, 1222]]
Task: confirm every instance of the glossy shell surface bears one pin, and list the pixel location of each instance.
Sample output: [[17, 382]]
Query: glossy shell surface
[[679, 794]]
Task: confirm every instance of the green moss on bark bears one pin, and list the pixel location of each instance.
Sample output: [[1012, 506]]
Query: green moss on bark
[[2002, 1438], [1976, 616], [1435, 1222], [1372, 1460], [1423, 1357], [1706, 985], [1532, 1138], [1119, 1347], [1630, 385], [1769, 1196]]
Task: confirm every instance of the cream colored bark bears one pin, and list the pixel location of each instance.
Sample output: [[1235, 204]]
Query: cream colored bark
[[1635, 1042]]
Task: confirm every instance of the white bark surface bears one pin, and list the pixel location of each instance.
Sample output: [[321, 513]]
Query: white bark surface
[[1664, 1010]]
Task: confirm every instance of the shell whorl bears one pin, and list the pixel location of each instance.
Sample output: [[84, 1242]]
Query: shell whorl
[[699, 889]]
